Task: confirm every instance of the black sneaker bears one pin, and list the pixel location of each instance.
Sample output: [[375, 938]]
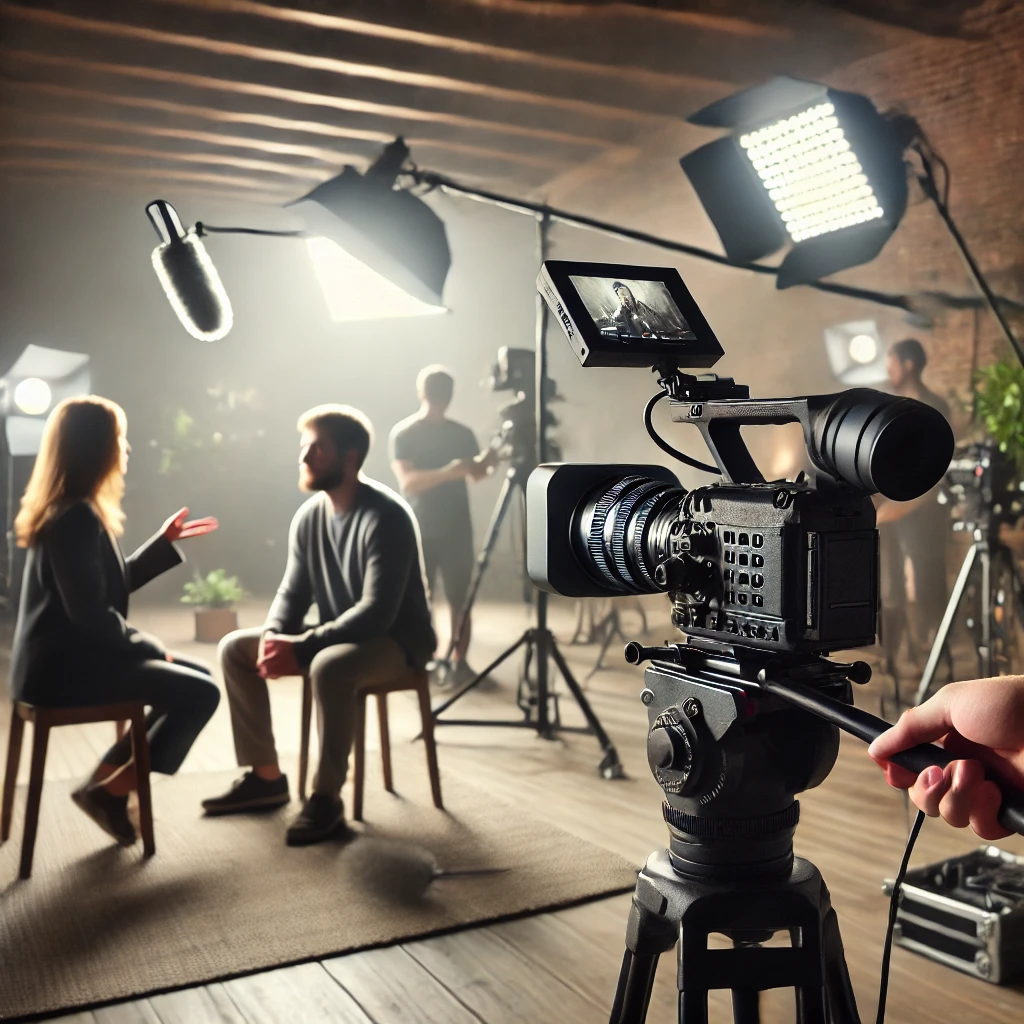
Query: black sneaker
[[322, 817], [108, 811], [249, 793]]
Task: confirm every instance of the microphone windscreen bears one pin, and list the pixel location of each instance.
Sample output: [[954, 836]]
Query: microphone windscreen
[[193, 287]]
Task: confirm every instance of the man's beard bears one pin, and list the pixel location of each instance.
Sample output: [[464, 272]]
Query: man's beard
[[326, 481]]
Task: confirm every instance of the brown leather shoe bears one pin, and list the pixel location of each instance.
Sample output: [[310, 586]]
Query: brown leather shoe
[[108, 811]]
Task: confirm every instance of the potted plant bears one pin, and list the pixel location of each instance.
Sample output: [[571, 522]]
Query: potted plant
[[215, 596], [999, 405]]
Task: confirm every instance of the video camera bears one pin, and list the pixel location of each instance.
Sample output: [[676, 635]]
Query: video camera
[[789, 567], [516, 439], [983, 487]]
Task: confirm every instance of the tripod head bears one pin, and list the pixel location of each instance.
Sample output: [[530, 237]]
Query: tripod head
[[734, 735]]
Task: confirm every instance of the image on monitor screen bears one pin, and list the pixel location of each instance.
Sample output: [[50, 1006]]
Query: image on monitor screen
[[632, 309]]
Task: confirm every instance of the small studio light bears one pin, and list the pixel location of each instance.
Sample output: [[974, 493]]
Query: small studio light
[[32, 396], [863, 349], [856, 352], [805, 166]]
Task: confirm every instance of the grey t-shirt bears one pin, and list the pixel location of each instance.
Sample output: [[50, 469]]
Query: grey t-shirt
[[363, 569], [443, 511]]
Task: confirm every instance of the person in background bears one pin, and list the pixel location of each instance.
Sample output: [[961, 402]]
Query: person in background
[[354, 550], [432, 457], [982, 723], [916, 530], [72, 645]]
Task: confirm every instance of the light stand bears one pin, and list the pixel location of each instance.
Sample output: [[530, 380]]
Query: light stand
[[538, 641]]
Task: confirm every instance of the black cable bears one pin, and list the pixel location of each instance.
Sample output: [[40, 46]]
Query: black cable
[[665, 446], [894, 904]]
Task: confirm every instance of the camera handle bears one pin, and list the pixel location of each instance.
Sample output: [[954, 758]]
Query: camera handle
[[861, 724]]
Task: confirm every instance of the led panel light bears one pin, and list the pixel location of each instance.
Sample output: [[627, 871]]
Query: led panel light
[[808, 167], [812, 175]]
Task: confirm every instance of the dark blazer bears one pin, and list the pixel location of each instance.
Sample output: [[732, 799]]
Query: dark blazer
[[71, 628]]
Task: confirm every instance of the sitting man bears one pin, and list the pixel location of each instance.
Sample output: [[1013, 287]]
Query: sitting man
[[353, 548]]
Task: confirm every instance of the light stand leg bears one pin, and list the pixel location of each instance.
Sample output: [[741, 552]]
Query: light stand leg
[[610, 766], [483, 559], [985, 647], [947, 621]]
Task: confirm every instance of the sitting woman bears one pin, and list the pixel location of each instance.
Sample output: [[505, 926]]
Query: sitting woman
[[72, 646]]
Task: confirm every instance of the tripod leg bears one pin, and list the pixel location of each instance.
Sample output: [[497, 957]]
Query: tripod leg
[[482, 561], [944, 626], [610, 766], [746, 1006], [842, 1002], [633, 992]]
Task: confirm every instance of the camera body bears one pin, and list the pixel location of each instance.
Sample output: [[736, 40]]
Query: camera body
[[780, 567]]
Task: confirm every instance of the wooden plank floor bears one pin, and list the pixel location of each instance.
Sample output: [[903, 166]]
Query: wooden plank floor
[[557, 968]]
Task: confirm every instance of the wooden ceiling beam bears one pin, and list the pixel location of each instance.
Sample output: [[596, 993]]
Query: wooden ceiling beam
[[297, 173], [99, 127], [169, 176], [127, 184], [241, 123], [208, 39], [402, 117], [453, 43]]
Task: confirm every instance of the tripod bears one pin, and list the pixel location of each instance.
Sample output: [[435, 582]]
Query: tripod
[[1001, 594], [725, 753]]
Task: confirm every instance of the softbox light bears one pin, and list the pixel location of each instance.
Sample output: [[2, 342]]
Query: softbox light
[[856, 352], [808, 166], [391, 231]]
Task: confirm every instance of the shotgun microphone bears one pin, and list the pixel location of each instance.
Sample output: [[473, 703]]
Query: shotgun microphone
[[188, 277]]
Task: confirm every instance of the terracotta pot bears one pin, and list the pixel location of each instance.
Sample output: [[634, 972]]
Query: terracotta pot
[[212, 624]]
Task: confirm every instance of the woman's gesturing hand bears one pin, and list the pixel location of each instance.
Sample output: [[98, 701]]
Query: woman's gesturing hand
[[177, 529]]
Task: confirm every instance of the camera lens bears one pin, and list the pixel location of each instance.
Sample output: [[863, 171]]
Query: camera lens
[[895, 446], [621, 531]]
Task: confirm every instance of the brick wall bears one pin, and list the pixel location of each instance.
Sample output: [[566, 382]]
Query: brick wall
[[968, 96]]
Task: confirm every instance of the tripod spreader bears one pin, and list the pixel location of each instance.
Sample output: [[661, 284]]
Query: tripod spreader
[[853, 720]]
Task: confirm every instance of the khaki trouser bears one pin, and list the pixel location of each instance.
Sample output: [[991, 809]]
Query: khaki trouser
[[337, 673]]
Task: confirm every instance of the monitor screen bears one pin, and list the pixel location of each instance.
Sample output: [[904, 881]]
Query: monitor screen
[[628, 308]]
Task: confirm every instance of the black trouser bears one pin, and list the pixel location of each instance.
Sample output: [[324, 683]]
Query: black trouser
[[182, 696]]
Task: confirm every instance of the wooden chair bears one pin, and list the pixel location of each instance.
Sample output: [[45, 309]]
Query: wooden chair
[[416, 680], [45, 719]]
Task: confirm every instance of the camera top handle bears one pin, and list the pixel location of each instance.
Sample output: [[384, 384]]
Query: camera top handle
[[862, 438]]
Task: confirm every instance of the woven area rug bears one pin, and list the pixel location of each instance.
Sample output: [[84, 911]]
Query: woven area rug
[[225, 896]]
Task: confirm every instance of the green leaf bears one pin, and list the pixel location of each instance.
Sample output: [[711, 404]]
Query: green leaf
[[214, 590]]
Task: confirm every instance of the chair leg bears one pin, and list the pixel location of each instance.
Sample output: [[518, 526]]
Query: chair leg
[[11, 774], [427, 720], [140, 751], [385, 740], [360, 752], [40, 739], [307, 714], [120, 728]]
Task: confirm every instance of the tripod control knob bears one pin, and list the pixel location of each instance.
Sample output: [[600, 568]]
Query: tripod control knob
[[670, 751]]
